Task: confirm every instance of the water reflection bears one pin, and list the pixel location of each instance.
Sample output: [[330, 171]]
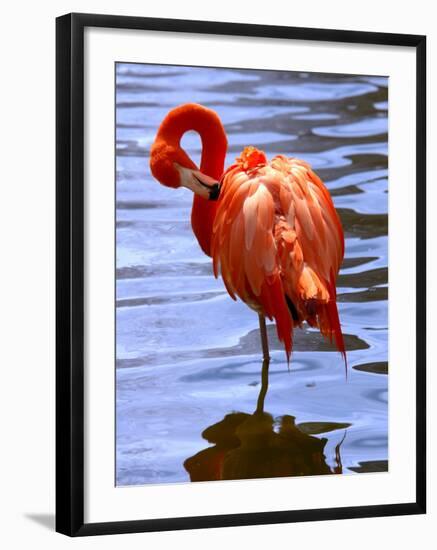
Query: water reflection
[[247, 446]]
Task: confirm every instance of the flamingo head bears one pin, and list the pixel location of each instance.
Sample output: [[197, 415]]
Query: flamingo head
[[172, 167]]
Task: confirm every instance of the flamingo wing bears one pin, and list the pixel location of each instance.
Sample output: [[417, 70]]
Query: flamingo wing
[[310, 245], [278, 243]]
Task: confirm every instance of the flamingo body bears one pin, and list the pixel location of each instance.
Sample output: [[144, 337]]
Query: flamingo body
[[278, 243]]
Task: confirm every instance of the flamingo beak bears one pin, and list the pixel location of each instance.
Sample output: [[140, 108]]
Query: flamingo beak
[[199, 183], [209, 184]]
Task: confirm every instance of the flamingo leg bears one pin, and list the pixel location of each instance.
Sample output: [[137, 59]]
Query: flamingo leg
[[265, 367]]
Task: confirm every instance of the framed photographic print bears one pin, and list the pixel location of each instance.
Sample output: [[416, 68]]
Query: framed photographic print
[[240, 274]]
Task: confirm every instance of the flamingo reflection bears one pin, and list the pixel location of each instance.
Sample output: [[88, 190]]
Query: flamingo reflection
[[246, 446]]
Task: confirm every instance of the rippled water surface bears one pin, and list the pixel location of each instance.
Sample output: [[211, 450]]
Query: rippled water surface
[[187, 355]]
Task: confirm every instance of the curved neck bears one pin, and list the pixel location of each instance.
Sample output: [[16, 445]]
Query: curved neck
[[208, 125], [214, 144]]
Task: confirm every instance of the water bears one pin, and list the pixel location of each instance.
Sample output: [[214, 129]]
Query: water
[[188, 355]]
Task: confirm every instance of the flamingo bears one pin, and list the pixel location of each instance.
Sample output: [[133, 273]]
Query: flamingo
[[271, 228]]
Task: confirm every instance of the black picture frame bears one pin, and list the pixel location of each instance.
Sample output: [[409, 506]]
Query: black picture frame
[[70, 273]]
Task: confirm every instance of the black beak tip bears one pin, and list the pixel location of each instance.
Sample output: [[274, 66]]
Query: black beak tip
[[215, 192]]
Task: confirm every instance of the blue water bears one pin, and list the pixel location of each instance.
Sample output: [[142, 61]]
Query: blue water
[[188, 355]]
